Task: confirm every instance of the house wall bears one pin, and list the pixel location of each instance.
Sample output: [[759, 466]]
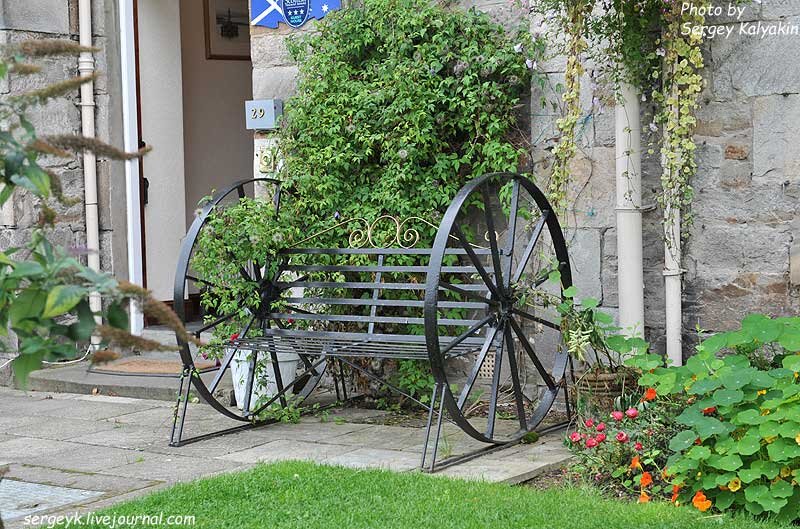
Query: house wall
[[742, 246], [37, 19]]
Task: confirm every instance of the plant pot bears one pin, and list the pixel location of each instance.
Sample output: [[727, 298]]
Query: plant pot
[[598, 391], [265, 382]]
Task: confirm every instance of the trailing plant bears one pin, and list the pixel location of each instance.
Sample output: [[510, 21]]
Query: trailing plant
[[45, 288], [739, 448]]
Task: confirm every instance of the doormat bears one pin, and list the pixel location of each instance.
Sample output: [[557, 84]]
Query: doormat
[[149, 367]]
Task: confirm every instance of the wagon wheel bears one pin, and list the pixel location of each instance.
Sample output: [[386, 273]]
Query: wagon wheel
[[503, 226], [188, 280]]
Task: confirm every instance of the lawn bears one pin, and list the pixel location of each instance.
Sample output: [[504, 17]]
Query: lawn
[[305, 495]]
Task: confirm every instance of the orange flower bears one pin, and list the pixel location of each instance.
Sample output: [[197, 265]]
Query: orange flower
[[675, 491], [709, 410], [643, 497], [649, 394], [646, 479], [635, 463], [700, 501]]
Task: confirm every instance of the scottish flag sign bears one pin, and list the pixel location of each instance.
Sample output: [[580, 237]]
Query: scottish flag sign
[[295, 13]]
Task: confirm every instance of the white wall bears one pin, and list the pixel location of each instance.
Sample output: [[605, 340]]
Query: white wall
[[218, 148], [162, 129]]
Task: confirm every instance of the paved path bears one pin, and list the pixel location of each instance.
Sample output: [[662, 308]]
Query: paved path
[[107, 449]]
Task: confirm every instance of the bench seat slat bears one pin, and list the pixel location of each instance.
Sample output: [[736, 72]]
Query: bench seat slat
[[402, 320], [376, 251], [368, 285], [385, 302], [378, 268]]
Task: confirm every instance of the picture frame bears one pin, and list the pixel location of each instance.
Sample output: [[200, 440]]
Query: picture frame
[[227, 29]]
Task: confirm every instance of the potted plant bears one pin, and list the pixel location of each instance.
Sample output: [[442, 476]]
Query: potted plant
[[594, 341]]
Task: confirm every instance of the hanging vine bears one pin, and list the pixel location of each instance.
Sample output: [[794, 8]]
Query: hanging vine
[[565, 149]]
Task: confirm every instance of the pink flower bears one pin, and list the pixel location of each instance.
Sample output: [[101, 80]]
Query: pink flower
[[632, 413], [575, 437], [591, 442], [588, 423], [600, 437], [622, 437], [637, 446], [601, 427], [617, 415]]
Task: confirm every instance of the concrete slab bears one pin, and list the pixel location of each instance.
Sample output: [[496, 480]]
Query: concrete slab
[[396, 460], [285, 450], [172, 468], [21, 449], [58, 428]]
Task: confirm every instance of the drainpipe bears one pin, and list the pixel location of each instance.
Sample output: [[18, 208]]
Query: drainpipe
[[87, 104], [630, 275], [672, 284]]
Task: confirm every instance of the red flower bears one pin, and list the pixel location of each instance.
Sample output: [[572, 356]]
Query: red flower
[[575, 437], [234, 336], [617, 415], [600, 437], [709, 410], [588, 423], [632, 413], [601, 427], [622, 437], [591, 442], [698, 441], [676, 489], [638, 446], [649, 395]]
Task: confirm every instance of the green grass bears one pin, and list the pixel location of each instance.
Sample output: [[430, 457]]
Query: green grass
[[304, 495]]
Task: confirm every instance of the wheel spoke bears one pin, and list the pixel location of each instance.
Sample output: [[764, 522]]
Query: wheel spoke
[[487, 213], [495, 389], [511, 235], [487, 279], [203, 281], [467, 293], [532, 354], [512, 365], [537, 232], [466, 334], [476, 367], [537, 319], [214, 323], [227, 360]]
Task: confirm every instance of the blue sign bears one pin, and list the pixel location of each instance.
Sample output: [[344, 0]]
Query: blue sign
[[295, 13]]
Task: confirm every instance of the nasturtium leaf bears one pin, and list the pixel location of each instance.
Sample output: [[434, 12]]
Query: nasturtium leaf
[[769, 429], [789, 429], [749, 444], [62, 299], [728, 397], [710, 426], [704, 385], [762, 380], [792, 362], [761, 328], [730, 462], [790, 339], [781, 489], [723, 500], [682, 440], [782, 449], [699, 453], [725, 445], [764, 497], [714, 343], [738, 378]]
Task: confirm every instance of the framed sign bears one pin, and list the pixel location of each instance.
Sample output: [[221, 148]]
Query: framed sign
[[293, 13], [227, 29]]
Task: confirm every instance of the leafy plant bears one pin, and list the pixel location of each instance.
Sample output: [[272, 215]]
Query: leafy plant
[[415, 378], [740, 443], [44, 288]]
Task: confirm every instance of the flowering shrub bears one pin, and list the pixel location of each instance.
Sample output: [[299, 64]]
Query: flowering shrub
[[627, 450], [739, 444]]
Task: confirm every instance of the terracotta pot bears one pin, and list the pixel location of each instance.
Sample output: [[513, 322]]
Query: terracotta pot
[[597, 391]]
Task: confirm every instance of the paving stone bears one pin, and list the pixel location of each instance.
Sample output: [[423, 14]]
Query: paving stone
[[58, 428], [19, 498], [93, 410], [21, 449], [388, 437], [125, 436], [173, 468], [111, 485], [89, 458], [285, 449], [376, 458]]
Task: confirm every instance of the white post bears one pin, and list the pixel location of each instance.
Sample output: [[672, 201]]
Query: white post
[[630, 276], [131, 143], [672, 285], [87, 104]]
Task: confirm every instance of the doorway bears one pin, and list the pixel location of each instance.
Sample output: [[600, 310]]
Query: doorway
[[194, 75]]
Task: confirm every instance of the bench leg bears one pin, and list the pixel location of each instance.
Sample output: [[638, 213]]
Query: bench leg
[[177, 423], [438, 390]]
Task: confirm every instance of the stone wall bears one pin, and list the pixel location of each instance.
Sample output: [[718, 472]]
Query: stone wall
[[38, 19]]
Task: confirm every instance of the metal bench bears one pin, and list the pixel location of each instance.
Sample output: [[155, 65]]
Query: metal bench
[[477, 305]]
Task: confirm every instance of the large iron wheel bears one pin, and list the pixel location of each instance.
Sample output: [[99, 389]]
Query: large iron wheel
[[503, 225], [188, 280]]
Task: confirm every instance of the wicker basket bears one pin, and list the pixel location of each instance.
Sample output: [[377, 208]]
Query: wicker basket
[[597, 391]]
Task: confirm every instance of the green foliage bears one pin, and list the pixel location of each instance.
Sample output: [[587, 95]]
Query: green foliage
[[415, 378], [399, 103], [740, 444]]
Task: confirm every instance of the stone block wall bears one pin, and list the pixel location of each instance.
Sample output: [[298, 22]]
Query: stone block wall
[[48, 19]]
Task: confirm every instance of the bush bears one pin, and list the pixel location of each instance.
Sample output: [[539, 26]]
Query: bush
[[739, 447]]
